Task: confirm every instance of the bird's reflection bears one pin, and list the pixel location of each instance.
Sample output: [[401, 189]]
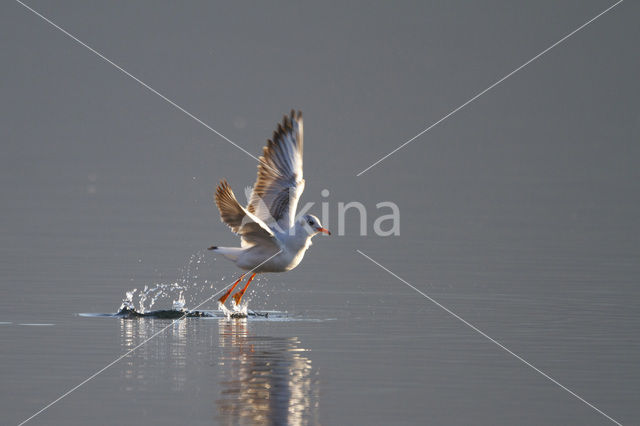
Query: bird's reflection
[[264, 380], [257, 379]]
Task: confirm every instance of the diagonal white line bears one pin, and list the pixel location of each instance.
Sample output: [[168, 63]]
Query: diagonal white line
[[142, 83], [491, 87], [115, 361], [500, 345]]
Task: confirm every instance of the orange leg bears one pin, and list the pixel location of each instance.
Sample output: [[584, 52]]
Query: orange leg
[[225, 296], [238, 296]]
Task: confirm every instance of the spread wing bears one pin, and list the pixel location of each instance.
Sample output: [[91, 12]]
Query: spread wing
[[251, 229], [279, 185]]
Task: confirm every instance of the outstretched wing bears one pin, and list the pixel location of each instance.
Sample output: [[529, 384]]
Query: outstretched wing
[[279, 185], [251, 229]]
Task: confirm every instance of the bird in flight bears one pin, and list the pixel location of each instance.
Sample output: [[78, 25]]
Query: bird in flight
[[272, 238]]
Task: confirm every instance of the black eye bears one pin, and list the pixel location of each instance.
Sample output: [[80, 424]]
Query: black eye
[[310, 222]]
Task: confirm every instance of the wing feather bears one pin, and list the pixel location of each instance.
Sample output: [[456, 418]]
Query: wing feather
[[251, 229], [280, 182]]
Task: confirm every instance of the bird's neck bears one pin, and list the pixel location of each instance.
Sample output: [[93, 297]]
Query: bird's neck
[[300, 241]]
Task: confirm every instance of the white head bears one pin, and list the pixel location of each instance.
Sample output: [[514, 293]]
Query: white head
[[310, 224]]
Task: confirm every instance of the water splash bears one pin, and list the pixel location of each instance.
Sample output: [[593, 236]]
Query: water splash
[[178, 305], [238, 311], [189, 290]]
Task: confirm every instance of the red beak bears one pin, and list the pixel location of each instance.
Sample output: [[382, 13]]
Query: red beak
[[324, 231]]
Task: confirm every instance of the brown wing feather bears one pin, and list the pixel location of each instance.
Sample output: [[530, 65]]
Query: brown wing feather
[[279, 182], [231, 212], [245, 224]]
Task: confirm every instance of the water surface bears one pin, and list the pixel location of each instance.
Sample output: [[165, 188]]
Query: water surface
[[519, 213]]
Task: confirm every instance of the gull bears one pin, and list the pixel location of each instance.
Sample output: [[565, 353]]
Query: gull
[[272, 238]]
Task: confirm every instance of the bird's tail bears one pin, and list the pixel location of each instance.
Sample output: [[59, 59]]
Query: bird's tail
[[230, 253]]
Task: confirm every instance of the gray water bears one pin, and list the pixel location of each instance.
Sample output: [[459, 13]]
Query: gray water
[[519, 213]]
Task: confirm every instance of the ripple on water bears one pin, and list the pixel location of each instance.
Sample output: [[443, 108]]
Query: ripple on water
[[224, 313]]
